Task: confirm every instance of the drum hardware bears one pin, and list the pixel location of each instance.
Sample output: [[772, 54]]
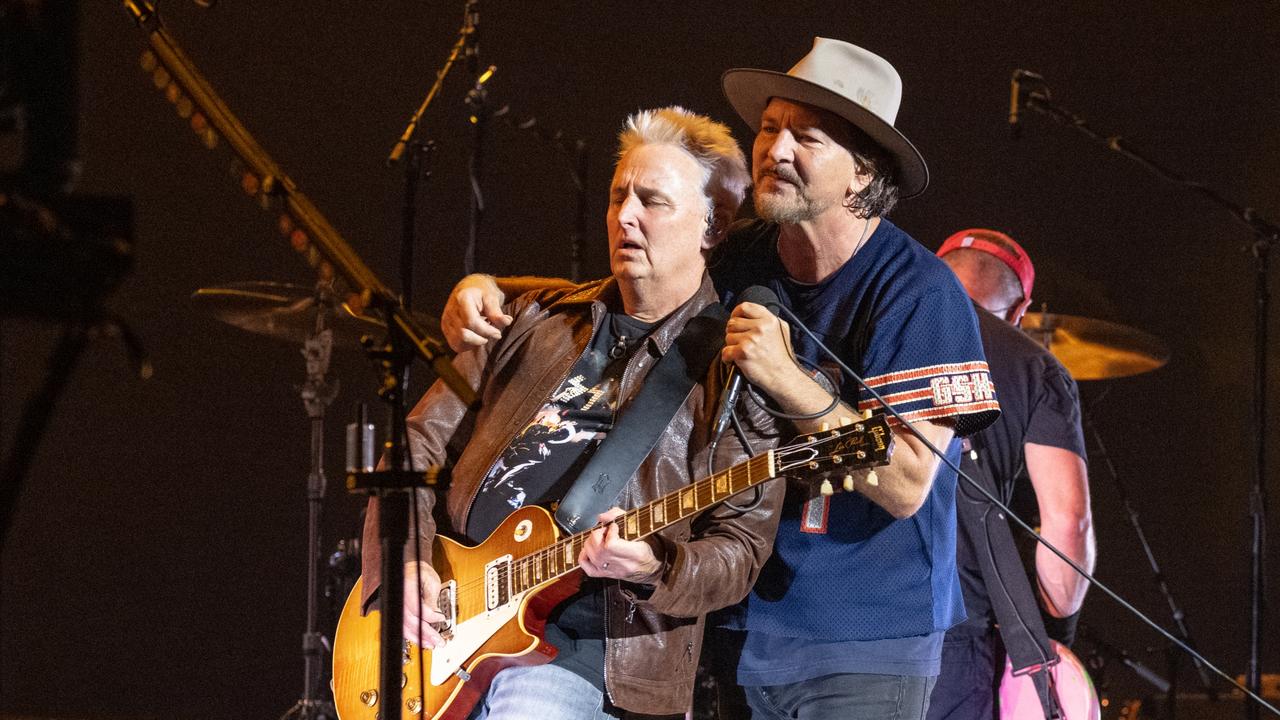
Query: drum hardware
[[287, 312], [1173, 654]]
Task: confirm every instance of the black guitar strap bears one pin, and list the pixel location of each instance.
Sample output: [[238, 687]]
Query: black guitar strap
[[637, 431], [1005, 578]]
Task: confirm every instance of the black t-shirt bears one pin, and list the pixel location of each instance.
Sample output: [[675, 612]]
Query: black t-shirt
[[542, 463], [1039, 404]]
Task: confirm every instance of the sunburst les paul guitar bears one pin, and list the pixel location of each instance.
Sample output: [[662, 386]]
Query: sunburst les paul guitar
[[496, 596]]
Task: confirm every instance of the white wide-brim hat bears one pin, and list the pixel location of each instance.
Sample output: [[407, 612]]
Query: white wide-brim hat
[[844, 79]]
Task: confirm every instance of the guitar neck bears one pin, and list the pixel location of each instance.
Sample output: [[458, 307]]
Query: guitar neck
[[561, 557]]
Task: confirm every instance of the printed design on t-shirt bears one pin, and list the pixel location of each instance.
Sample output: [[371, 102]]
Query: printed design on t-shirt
[[575, 417], [934, 391], [575, 387]]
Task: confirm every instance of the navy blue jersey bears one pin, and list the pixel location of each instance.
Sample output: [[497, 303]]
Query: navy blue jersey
[[850, 572]]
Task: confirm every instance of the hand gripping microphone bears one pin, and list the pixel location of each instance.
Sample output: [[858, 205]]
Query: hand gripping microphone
[[761, 296]]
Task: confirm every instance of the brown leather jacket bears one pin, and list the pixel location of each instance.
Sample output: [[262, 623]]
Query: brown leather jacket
[[653, 643]]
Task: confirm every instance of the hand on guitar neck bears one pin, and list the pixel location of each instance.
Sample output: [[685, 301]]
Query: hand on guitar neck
[[422, 591], [607, 555]]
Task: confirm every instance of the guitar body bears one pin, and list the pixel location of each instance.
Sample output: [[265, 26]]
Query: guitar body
[[484, 640], [1076, 694]]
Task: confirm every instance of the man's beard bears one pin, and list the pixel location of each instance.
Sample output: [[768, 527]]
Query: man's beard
[[786, 210]]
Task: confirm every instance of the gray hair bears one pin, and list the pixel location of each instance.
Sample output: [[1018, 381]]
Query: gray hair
[[990, 268], [724, 168]]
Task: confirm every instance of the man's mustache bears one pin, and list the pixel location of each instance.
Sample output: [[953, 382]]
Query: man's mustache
[[782, 172]]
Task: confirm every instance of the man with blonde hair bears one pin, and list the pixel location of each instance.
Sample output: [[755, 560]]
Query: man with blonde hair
[[570, 365]]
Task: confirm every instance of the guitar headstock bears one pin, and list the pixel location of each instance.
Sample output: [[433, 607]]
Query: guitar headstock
[[857, 444]]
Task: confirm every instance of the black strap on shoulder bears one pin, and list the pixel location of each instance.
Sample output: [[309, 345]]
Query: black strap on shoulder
[[1005, 578], [636, 433]]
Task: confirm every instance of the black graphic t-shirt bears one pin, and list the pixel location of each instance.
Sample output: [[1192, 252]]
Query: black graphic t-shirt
[[544, 459]]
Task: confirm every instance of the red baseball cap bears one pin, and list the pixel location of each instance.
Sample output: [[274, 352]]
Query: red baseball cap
[[1000, 246]]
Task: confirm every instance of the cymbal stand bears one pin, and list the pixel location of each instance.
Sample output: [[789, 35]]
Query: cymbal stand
[[317, 393], [1179, 616]]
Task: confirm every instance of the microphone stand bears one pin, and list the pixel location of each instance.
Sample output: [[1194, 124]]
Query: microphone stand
[[479, 118], [393, 485], [1265, 234]]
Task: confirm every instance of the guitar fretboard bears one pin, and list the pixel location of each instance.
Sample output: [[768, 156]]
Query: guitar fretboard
[[561, 557]]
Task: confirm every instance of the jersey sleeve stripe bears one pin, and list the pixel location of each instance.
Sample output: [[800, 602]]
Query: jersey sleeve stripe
[[916, 373], [935, 413]]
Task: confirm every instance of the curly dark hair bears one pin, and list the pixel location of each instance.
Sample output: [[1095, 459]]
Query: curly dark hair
[[881, 194]]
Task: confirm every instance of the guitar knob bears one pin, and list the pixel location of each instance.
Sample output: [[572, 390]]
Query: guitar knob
[[845, 421], [866, 414], [826, 488], [369, 697], [848, 483], [872, 478], [824, 427]]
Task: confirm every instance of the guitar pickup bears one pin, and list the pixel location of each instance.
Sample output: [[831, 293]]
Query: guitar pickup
[[447, 602], [497, 582]]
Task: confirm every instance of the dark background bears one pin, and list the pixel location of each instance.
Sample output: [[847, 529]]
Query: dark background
[[156, 567]]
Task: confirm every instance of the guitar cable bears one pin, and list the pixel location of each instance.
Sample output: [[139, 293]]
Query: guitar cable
[[1020, 522]]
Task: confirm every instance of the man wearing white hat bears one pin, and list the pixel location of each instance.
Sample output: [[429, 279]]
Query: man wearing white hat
[[847, 619]]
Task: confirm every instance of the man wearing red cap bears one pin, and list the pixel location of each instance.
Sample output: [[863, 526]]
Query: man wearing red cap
[[1038, 436]]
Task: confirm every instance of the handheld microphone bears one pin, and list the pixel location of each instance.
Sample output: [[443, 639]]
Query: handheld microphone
[[759, 295]]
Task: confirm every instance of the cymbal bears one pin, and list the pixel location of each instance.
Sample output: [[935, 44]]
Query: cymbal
[[288, 312], [1096, 349]]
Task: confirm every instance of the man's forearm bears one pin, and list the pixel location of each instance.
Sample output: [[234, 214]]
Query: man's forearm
[[1061, 587], [1061, 483], [903, 484], [518, 285]]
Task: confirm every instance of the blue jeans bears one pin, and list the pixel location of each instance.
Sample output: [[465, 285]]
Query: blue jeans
[[844, 696], [546, 692]]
